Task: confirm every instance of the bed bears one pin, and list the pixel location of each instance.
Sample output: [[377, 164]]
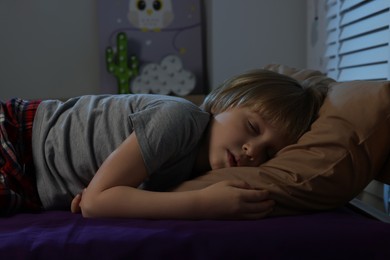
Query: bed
[[342, 233], [314, 183]]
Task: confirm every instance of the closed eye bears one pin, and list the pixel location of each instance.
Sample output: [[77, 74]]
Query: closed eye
[[253, 127]]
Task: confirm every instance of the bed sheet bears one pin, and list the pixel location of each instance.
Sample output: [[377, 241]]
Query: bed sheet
[[338, 234]]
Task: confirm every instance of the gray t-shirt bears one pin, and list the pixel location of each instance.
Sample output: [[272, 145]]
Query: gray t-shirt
[[72, 139]]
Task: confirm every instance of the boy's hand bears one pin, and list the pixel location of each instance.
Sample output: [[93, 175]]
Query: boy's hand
[[75, 205], [233, 199]]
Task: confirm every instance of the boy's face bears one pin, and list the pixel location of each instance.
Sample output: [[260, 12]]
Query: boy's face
[[240, 137]]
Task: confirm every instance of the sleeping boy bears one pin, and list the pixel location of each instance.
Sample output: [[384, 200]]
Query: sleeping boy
[[128, 150]]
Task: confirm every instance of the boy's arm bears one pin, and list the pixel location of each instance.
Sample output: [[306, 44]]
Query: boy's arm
[[113, 193]]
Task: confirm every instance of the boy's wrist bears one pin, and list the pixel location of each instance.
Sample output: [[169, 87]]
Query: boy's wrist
[[198, 207], [201, 205]]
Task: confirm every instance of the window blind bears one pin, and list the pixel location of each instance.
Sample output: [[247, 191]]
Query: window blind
[[357, 39]]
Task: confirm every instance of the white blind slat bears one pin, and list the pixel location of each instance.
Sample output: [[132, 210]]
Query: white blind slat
[[332, 9], [332, 24], [349, 4], [331, 64], [363, 11], [376, 55], [364, 26], [332, 74], [331, 2], [370, 72], [365, 41], [331, 50], [332, 37]]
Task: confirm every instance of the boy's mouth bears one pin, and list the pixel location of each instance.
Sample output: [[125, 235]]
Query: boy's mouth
[[231, 159]]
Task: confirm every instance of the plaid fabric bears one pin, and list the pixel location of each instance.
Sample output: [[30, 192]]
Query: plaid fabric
[[17, 178]]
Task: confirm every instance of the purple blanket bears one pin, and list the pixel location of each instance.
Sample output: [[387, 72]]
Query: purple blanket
[[340, 234]]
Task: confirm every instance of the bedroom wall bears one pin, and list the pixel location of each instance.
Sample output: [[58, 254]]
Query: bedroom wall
[[246, 34], [48, 48], [316, 34]]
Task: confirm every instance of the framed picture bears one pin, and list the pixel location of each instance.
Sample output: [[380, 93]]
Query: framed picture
[[152, 46]]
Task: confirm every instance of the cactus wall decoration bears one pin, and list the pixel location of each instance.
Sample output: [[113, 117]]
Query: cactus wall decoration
[[118, 64], [175, 30]]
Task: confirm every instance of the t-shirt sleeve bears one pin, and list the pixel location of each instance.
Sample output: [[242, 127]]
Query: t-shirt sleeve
[[168, 132]]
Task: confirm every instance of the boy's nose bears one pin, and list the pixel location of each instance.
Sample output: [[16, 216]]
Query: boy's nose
[[253, 153]]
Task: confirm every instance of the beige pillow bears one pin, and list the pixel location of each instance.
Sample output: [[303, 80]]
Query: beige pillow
[[346, 147]]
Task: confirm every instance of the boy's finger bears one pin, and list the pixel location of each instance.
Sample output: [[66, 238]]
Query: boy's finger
[[256, 195], [75, 204], [238, 184]]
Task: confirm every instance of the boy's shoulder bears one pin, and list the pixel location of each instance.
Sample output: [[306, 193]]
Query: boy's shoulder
[[173, 103]]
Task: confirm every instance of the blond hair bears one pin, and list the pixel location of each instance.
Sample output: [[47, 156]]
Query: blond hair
[[290, 107]]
